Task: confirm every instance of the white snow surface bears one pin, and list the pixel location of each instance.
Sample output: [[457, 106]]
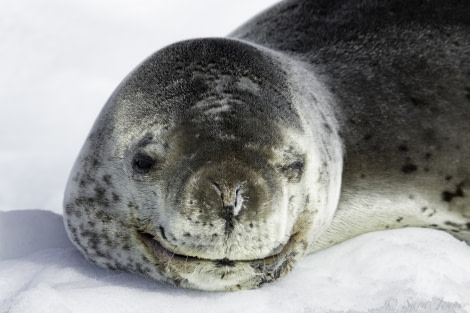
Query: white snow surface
[[59, 61]]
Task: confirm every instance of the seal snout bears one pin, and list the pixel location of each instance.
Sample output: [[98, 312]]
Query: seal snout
[[232, 198], [233, 195]]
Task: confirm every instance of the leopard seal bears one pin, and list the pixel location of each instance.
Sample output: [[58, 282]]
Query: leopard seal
[[219, 163]]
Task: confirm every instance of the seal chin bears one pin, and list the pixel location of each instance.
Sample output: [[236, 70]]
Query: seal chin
[[222, 274], [158, 248]]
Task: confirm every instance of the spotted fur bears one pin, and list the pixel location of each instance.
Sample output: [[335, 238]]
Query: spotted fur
[[217, 164]]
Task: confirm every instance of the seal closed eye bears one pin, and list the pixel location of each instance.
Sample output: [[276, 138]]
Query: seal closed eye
[[218, 163]]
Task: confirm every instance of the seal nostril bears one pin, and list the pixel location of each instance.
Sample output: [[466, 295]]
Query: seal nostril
[[238, 199], [239, 188], [231, 199], [162, 232], [217, 188]]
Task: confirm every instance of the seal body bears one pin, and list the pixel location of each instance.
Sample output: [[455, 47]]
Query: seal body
[[217, 163]]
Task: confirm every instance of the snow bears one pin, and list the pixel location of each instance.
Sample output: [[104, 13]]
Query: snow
[[393, 271], [59, 61]]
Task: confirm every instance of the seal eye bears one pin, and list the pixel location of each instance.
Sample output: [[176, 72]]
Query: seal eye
[[293, 171], [142, 163]]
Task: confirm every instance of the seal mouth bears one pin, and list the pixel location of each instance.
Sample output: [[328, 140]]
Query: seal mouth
[[269, 263]]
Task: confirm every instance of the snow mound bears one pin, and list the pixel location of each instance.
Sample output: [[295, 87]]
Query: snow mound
[[405, 270]]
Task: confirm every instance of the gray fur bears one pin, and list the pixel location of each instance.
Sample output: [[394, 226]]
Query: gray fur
[[314, 122]]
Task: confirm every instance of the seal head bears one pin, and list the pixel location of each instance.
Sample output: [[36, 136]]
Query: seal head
[[198, 172]]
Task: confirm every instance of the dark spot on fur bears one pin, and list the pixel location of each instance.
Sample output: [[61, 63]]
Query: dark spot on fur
[[403, 148], [109, 265], [352, 121], [327, 127], [363, 175], [447, 196], [78, 213], [424, 209], [199, 86], [455, 230], [427, 156], [229, 225], [103, 217], [448, 178], [225, 262], [433, 225], [399, 219], [138, 268], [69, 209], [120, 267], [417, 102], [449, 223], [367, 137], [467, 92], [162, 232], [100, 192], [107, 179], [116, 198], [251, 225], [426, 169], [187, 235], [95, 163], [409, 168], [146, 140]]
